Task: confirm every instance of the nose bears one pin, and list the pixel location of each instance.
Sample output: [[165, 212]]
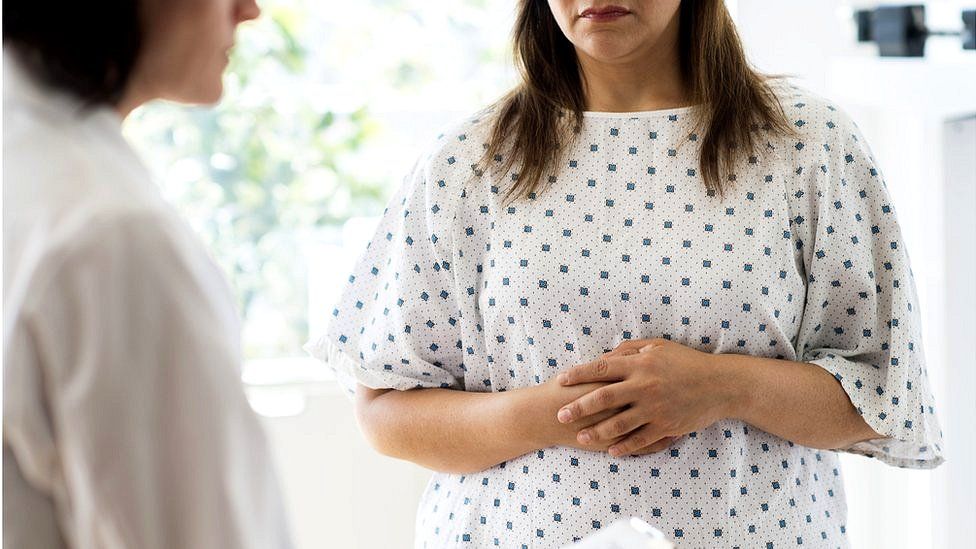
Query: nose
[[247, 10]]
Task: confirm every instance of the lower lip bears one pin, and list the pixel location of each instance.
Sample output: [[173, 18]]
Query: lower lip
[[606, 16]]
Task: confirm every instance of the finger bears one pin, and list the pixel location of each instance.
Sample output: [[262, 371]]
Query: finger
[[654, 448], [613, 427], [591, 420], [629, 347], [645, 436], [603, 368], [653, 345], [622, 352], [594, 402]]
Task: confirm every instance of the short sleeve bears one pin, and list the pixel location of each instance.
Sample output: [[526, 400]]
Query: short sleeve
[[396, 324], [861, 319]]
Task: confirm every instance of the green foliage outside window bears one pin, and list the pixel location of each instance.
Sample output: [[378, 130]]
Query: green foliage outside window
[[291, 151]]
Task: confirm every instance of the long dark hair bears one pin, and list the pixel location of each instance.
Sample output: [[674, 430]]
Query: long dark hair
[[86, 48], [534, 122]]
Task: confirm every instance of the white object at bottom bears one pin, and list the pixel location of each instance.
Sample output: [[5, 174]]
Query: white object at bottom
[[631, 533]]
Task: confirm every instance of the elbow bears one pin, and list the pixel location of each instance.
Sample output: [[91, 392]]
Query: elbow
[[372, 422], [380, 422]]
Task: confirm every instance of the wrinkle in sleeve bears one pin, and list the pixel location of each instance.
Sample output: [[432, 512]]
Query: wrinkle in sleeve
[[861, 321], [396, 324]]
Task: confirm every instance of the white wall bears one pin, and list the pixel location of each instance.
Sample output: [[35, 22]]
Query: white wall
[[955, 511], [338, 491]]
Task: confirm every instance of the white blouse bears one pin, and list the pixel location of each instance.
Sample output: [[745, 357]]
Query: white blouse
[[124, 419], [802, 260]]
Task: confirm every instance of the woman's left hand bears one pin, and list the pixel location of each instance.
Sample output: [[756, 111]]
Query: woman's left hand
[[665, 388]]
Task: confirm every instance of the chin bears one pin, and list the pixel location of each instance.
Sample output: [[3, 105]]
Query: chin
[[213, 98], [609, 54], [608, 48]]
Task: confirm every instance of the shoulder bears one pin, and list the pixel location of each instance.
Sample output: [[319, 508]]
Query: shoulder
[[141, 232], [829, 159], [107, 250], [58, 167], [459, 146], [448, 166], [137, 238], [827, 146], [65, 196], [74, 192], [797, 99], [818, 121]]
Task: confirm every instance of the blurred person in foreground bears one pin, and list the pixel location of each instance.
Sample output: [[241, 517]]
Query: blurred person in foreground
[[124, 420]]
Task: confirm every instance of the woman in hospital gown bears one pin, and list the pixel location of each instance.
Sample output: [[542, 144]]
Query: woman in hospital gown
[[801, 260]]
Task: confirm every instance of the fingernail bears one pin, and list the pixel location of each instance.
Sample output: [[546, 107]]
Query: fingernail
[[584, 437], [565, 415], [614, 451], [561, 378]]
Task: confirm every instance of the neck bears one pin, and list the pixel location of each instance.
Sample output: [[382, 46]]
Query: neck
[[124, 109], [649, 81], [130, 101], [137, 93]]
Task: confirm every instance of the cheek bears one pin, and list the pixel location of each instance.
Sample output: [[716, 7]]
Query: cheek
[[656, 18], [185, 53], [562, 12], [194, 73], [206, 55]]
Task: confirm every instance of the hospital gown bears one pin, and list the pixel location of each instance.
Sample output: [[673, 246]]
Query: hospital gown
[[803, 260]]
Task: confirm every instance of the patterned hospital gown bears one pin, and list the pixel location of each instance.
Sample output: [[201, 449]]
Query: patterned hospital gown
[[802, 260]]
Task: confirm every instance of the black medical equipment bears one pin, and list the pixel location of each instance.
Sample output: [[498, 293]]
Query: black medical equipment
[[900, 31]]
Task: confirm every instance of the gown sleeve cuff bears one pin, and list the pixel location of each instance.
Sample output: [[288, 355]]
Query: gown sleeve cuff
[[912, 439], [350, 371]]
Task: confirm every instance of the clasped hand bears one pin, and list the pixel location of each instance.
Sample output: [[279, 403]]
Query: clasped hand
[[649, 393]]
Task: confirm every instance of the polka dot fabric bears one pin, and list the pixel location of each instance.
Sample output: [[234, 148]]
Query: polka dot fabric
[[802, 260]]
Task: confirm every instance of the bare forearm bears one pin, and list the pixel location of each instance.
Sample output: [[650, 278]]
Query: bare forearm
[[796, 401], [446, 430]]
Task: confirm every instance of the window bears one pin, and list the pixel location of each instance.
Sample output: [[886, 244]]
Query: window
[[323, 114]]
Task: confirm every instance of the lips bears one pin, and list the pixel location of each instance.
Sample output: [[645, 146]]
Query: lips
[[604, 13]]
